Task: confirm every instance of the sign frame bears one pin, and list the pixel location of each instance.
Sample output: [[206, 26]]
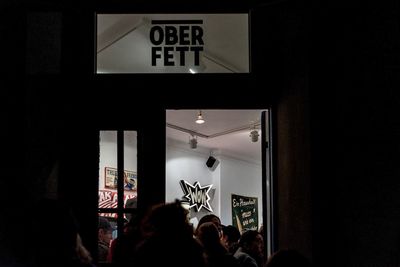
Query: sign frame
[[244, 212], [111, 178]]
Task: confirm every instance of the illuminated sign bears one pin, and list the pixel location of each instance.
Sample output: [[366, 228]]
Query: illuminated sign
[[173, 43], [196, 195]]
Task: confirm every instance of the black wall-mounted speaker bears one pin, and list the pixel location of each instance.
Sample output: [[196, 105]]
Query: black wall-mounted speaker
[[212, 162]]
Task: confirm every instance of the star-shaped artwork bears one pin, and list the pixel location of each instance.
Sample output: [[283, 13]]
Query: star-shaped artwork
[[197, 195]]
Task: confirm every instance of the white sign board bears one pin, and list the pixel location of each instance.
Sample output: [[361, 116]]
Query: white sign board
[[173, 43]]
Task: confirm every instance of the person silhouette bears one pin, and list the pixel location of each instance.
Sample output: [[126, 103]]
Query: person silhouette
[[216, 254], [105, 231], [210, 218], [251, 249], [57, 242], [230, 238], [167, 239]]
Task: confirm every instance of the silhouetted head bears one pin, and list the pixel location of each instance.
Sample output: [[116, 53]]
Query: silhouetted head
[[252, 243], [168, 220], [208, 234], [231, 233], [210, 218], [104, 230]]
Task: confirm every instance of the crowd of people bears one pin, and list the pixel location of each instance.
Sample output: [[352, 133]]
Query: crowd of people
[[165, 237]]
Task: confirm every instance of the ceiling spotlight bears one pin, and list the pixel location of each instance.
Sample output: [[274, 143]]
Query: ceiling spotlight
[[200, 119], [254, 136], [193, 142]]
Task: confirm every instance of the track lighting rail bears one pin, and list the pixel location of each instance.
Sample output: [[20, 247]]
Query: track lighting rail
[[238, 129]]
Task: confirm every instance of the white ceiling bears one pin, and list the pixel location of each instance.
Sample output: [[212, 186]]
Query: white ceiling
[[123, 44], [237, 144]]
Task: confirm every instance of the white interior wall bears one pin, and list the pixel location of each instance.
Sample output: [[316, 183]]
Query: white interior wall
[[183, 163], [108, 153], [239, 177], [232, 175], [130, 151]]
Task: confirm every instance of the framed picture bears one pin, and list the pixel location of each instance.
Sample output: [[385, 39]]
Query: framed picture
[[130, 181], [111, 179], [244, 212]]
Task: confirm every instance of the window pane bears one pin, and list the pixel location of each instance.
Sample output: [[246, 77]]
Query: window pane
[[108, 170], [130, 165]]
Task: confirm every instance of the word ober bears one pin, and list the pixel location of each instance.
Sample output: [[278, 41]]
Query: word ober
[[185, 39]]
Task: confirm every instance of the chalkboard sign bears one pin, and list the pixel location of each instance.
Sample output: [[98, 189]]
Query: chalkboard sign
[[244, 213]]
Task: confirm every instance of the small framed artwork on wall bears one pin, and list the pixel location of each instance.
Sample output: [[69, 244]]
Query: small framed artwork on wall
[[111, 179]]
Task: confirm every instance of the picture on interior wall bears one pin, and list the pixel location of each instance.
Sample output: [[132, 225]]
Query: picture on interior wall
[[244, 212], [111, 179], [196, 196]]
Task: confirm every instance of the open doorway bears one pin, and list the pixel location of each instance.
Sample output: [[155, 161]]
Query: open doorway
[[217, 166]]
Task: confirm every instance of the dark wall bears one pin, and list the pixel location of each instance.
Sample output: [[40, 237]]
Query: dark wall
[[368, 128], [358, 135], [288, 27]]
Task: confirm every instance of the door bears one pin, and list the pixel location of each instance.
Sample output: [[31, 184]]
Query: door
[[222, 157]]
